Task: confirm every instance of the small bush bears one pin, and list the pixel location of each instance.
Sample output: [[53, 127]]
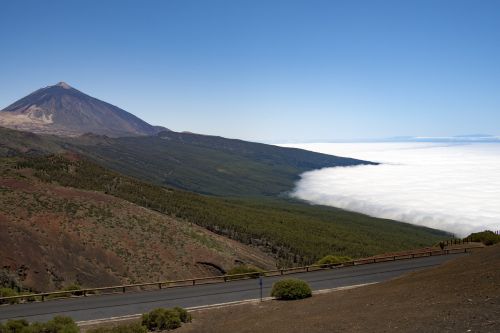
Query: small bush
[[241, 269], [58, 324], [16, 326], [290, 289], [184, 316], [74, 289], [123, 328], [333, 260], [8, 292], [161, 319]]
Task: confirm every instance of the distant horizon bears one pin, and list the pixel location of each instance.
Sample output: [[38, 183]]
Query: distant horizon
[[472, 138], [459, 138]]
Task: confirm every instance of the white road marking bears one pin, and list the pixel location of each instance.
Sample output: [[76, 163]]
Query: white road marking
[[213, 306]]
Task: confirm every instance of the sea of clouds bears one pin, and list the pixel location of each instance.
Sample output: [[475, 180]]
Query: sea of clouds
[[453, 187]]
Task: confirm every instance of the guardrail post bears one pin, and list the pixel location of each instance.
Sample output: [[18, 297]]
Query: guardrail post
[[123, 289], [194, 281], [43, 298], [225, 278], [85, 293], [281, 272], [307, 269], [159, 285]]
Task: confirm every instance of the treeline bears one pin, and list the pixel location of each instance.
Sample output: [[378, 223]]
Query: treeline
[[294, 232]]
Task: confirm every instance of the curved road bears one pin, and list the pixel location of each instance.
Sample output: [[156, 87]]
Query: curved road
[[113, 305]]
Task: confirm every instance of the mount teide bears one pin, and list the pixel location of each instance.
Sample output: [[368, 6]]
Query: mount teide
[[62, 110]]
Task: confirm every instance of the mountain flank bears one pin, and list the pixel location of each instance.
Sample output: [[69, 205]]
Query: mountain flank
[[54, 236], [204, 164], [63, 110], [70, 120], [291, 232]]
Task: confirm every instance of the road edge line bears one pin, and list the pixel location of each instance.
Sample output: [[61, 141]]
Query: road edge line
[[214, 306]]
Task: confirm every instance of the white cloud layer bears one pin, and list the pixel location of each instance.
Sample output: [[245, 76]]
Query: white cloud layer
[[453, 187]]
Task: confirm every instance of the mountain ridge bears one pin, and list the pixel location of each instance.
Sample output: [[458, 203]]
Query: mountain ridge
[[204, 164]]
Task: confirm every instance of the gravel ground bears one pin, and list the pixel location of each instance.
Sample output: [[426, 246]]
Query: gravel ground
[[460, 296]]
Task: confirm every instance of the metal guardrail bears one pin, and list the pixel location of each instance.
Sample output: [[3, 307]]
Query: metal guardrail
[[225, 278]]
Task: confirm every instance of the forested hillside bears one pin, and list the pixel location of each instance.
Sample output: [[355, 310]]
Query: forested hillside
[[293, 232], [54, 236]]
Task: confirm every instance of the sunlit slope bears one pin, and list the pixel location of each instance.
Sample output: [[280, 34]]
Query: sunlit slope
[[293, 232], [54, 235]]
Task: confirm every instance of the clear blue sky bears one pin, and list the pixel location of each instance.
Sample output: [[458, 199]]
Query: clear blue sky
[[267, 70]]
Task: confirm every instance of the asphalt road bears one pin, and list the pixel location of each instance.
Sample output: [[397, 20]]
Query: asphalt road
[[106, 306]]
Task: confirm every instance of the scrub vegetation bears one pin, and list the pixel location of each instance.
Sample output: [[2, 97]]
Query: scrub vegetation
[[486, 237], [294, 232], [58, 324], [291, 289]]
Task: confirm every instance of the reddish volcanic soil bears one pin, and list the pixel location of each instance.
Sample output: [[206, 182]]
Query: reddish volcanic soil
[[53, 236]]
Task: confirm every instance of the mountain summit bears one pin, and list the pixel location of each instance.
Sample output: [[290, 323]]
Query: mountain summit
[[62, 110]]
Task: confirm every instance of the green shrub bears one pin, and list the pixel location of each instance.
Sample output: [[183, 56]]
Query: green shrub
[[58, 324], [486, 237], [333, 260], [184, 316], [74, 289], [9, 279], [241, 269], [123, 328], [161, 319], [290, 289], [16, 326], [8, 292], [35, 328]]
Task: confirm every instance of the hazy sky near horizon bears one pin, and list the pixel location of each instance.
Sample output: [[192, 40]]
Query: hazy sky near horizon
[[267, 70]]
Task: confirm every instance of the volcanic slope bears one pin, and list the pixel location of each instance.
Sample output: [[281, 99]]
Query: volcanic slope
[[292, 232], [199, 163], [53, 236], [63, 110]]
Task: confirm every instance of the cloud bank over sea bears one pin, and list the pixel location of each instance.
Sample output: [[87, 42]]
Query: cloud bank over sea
[[453, 187]]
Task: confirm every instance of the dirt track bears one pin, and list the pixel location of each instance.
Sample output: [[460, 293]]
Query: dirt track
[[461, 296]]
